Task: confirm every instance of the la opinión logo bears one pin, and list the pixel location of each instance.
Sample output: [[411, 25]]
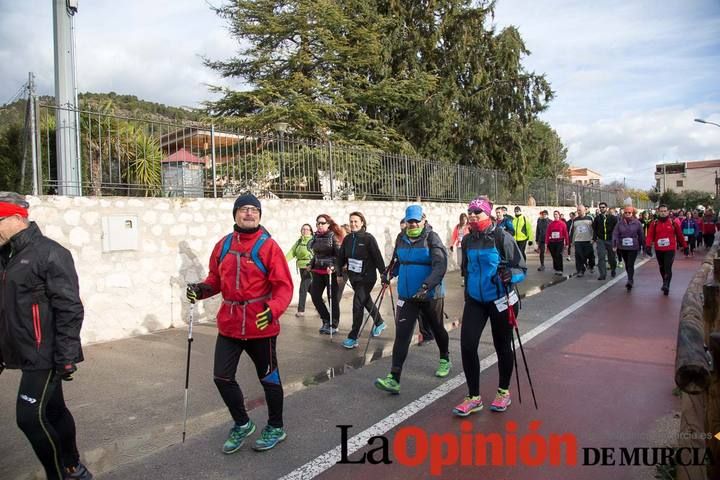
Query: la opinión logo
[[412, 447]]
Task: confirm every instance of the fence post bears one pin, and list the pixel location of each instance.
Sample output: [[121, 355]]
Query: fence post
[[332, 174], [33, 134], [458, 185], [495, 178], [212, 158], [407, 179]]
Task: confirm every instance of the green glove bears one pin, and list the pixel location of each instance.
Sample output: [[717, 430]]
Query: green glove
[[263, 318]]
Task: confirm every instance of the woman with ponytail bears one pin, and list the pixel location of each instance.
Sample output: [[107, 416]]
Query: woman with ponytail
[[325, 246]]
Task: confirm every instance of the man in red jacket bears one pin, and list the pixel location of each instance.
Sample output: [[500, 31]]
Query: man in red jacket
[[249, 269], [664, 235]]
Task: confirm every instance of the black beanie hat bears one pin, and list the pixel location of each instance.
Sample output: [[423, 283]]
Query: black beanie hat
[[246, 199]]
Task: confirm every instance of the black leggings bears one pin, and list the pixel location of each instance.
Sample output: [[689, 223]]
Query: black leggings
[[665, 261], [305, 281], [263, 354], [407, 316], [691, 242], [708, 239], [629, 257], [317, 289], [46, 421], [556, 251], [475, 316], [362, 300]]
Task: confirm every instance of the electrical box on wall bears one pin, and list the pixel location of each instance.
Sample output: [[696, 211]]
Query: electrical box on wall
[[120, 232]]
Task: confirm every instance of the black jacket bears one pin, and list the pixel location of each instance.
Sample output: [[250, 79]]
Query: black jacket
[[361, 246], [40, 309], [603, 226], [325, 250], [541, 229]]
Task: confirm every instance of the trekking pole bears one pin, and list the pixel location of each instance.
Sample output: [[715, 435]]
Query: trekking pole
[[379, 301], [330, 302], [187, 368], [513, 321], [375, 306]]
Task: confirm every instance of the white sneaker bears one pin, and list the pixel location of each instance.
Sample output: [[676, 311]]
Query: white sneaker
[[300, 314]]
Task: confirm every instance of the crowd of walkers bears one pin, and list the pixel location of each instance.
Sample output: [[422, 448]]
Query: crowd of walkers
[[248, 269]]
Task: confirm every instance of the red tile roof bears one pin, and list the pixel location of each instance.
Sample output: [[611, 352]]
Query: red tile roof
[[183, 155]]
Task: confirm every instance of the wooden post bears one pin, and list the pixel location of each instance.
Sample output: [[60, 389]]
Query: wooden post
[[691, 425], [712, 407]]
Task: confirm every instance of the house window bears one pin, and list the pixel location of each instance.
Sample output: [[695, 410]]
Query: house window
[[679, 183]]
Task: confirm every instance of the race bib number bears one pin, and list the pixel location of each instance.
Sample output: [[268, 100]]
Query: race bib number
[[355, 265], [555, 235], [502, 303], [627, 242], [400, 303], [686, 238], [663, 242]]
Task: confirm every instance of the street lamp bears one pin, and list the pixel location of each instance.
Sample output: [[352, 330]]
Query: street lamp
[[700, 120]]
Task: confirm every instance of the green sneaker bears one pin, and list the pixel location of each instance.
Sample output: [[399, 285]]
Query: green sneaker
[[238, 434], [269, 437], [444, 368], [389, 384]]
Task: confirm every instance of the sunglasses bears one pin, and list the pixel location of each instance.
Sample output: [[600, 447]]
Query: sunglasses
[[474, 212], [321, 223]]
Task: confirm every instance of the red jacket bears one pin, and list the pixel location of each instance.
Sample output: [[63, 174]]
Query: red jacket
[[240, 280], [557, 232], [664, 236], [707, 225]]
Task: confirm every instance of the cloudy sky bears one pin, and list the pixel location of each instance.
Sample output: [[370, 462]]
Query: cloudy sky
[[629, 76]]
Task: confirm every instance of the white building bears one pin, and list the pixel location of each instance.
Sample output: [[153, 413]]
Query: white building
[[679, 177]]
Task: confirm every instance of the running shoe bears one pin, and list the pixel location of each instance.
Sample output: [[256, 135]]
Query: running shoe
[[269, 437], [350, 343], [501, 402], [378, 329], [443, 369], [468, 406], [237, 436], [389, 384]]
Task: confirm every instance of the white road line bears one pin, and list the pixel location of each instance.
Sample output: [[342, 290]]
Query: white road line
[[328, 459]]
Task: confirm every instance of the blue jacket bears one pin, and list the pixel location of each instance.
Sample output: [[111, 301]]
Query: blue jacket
[[690, 227], [480, 261], [420, 260], [507, 224]]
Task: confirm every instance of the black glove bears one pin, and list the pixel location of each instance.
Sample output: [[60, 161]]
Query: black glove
[[264, 318], [421, 294], [194, 292], [66, 371], [648, 251]]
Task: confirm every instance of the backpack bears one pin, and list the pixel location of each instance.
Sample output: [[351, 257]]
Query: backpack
[[254, 253]]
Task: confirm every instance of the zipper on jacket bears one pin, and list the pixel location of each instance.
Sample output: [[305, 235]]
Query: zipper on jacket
[[36, 324], [244, 309]]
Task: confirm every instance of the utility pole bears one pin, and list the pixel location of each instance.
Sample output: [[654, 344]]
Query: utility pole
[[68, 154], [33, 132]]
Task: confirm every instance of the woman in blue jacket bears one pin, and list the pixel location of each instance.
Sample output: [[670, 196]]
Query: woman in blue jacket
[[690, 230], [491, 263]]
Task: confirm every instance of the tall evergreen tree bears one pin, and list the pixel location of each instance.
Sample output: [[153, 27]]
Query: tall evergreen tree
[[429, 76]]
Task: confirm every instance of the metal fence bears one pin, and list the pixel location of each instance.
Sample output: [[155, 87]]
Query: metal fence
[[141, 157]]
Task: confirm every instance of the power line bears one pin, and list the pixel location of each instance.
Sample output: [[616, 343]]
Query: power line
[[16, 96]]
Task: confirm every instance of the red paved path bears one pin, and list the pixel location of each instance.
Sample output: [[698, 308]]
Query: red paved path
[[605, 373]]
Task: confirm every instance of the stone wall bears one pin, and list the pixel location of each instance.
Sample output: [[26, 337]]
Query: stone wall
[[133, 292]]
